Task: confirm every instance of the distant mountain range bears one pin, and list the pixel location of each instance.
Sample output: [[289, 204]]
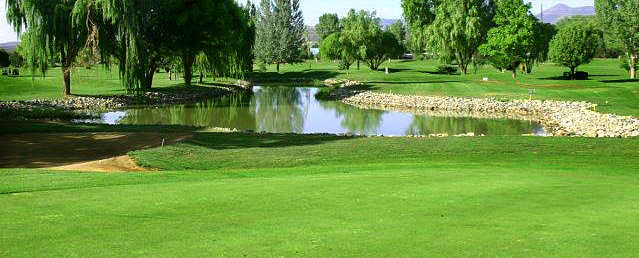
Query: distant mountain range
[[9, 46], [556, 13]]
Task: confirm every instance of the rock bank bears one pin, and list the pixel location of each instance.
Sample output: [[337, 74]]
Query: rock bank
[[560, 118]]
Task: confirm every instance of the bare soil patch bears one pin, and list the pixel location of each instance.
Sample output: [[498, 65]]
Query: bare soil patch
[[79, 151]]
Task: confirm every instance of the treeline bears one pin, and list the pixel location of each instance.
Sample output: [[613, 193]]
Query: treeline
[[506, 34], [140, 36]]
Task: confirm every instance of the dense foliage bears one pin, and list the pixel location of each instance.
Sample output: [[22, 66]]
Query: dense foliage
[[513, 37], [418, 14], [4, 58], [373, 45], [328, 24], [459, 28], [574, 45], [398, 29], [621, 19], [280, 32], [55, 27], [337, 47]]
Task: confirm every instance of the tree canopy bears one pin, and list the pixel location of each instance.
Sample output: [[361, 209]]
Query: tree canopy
[[574, 45], [621, 19], [55, 27], [459, 28], [280, 32], [512, 38], [328, 24], [338, 47], [399, 31], [419, 14], [372, 44]]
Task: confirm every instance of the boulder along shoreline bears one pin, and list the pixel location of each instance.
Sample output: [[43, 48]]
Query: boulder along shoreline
[[559, 118]]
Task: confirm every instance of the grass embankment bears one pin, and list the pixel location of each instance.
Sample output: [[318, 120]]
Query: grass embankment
[[290, 195]]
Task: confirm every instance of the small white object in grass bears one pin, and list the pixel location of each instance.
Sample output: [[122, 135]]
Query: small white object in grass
[[485, 79]]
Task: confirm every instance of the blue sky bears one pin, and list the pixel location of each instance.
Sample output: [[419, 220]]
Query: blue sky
[[312, 9]]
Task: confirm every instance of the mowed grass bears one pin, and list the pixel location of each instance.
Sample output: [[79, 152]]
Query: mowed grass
[[299, 195], [221, 194], [95, 81]]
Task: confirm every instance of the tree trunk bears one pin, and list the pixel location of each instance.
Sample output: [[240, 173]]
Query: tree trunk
[[188, 60], [148, 80], [633, 63], [201, 77], [278, 67], [358, 64], [170, 75], [514, 72], [66, 74], [464, 67], [572, 73]]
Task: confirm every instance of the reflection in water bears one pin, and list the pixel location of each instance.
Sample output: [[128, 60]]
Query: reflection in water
[[295, 110], [424, 125]]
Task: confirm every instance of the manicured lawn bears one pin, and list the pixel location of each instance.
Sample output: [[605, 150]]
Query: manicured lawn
[[96, 81], [285, 195], [270, 195]]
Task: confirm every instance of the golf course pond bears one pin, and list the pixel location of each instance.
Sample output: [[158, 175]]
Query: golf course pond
[[296, 110]]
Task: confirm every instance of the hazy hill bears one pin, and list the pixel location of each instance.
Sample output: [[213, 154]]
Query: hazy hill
[[557, 12], [9, 46]]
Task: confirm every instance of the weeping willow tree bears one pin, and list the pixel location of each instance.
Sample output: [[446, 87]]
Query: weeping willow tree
[[148, 31], [55, 31]]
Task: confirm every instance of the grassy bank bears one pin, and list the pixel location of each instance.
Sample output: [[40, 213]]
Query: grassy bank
[[283, 195]]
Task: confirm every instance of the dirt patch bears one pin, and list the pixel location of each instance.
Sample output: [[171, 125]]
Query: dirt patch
[[118, 164], [99, 151]]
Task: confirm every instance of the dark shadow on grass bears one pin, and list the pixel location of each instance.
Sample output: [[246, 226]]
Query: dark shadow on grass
[[620, 81], [412, 82], [560, 78], [439, 73], [42, 145], [393, 70], [223, 141], [306, 76]]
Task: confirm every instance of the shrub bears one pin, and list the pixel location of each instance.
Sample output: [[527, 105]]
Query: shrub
[[446, 69]]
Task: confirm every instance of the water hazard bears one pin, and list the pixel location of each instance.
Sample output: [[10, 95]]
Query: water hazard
[[295, 110]]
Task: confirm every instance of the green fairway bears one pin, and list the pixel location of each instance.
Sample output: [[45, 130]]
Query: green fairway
[[239, 194], [270, 195]]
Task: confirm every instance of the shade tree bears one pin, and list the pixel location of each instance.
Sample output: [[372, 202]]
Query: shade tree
[[279, 32], [362, 30], [337, 47], [621, 20], [56, 28], [459, 28], [512, 38], [575, 45], [419, 14]]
